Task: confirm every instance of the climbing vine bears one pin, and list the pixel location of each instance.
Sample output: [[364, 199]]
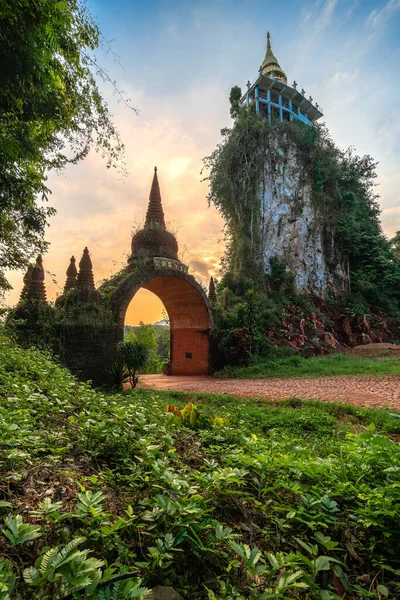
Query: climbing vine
[[234, 172]]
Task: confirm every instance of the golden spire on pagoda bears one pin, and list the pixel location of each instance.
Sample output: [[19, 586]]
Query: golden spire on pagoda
[[270, 66]]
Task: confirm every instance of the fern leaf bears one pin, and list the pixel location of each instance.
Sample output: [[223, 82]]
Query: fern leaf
[[47, 559], [31, 575]]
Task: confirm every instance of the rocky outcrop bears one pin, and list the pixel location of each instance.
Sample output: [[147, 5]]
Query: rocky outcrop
[[325, 330], [296, 231]]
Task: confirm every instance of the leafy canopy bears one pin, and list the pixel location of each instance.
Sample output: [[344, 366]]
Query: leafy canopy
[[51, 113]]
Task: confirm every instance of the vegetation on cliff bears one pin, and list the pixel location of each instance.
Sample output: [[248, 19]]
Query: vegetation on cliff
[[103, 495], [343, 194]]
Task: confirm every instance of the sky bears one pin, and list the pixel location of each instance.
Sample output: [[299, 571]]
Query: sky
[[177, 61]]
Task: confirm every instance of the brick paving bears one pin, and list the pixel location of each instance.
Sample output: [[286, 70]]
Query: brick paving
[[372, 392]]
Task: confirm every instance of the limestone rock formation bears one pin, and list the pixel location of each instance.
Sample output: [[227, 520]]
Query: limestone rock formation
[[295, 230]]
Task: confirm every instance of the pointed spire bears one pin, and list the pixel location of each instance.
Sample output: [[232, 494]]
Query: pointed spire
[[27, 283], [85, 280], [155, 213], [71, 273], [271, 65], [212, 295], [37, 290], [85, 277]]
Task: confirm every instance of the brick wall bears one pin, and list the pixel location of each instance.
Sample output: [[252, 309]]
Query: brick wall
[[189, 352], [88, 352]]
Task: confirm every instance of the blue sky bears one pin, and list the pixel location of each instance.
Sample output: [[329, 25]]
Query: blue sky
[[178, 62]]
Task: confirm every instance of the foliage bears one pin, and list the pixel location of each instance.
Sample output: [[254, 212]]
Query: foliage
[[134, 356], [289, 499], [51, 110], [33, 324], [40, 324], [395, 245], [243, 323], [238, 346], [117, 374], [286, 362], [234, 98], [235, 169], [157, 341], [194, 416]]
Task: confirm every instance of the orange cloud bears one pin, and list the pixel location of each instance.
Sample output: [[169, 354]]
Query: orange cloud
[[96, 208]]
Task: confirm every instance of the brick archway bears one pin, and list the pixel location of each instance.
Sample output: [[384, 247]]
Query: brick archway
[[188, 309]]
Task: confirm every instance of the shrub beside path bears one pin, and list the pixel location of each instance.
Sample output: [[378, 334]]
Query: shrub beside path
[[372, 392]]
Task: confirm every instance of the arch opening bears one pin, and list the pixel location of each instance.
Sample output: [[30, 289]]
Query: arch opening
[[147, 321], [189, 315]]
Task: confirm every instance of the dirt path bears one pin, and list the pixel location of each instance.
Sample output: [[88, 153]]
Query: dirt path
[[373, 392]]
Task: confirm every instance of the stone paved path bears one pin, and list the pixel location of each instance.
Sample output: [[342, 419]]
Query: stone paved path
[[373, 392]]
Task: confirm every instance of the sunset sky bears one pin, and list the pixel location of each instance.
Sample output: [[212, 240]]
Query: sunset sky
[[178, 62]]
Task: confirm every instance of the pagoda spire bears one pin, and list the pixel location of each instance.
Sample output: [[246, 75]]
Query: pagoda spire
[[212, 294], [270, 66], [155, 213], [71, 274], [37, 290], [85, 280], [27, 283], [154, 240], [85, 276]]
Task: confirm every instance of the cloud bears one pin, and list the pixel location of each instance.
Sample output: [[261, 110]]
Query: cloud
[[378, 18], [391, 220], [321, 14], [179, 74]]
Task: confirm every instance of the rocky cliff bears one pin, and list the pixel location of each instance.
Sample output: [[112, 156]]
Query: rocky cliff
[[295, 230], [321, 329]]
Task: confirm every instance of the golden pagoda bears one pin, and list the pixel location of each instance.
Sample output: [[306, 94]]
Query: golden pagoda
[[270, 66]]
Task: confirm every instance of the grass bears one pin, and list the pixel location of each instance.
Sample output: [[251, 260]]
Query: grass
[[103, 496], [317, 366]]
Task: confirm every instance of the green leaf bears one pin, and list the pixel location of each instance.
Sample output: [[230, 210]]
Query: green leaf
[[322, 563], [383, 590]]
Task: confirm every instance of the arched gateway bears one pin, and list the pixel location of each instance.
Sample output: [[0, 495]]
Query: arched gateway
[[187, 307], [154, 266]]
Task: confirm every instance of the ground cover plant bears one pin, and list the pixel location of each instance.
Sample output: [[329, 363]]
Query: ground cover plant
[[295, 365], [105, 495]]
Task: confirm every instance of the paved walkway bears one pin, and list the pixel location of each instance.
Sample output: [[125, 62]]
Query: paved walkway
[[373, 392]]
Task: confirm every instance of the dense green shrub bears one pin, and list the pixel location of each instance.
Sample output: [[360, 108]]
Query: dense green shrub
[[133, 356], [288, 499]]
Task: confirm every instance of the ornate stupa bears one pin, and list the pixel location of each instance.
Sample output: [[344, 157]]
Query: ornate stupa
[[86, 291], [36, 290], [154, 239], [270, 66], [27, 283], [274, 98], [72, 274]]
